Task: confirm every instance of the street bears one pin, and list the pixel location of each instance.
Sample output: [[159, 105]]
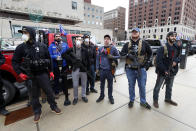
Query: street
[[104, 116]]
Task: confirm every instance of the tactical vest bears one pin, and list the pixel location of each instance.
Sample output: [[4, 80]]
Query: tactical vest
[[34, 58], [165, 52], [141, 58]]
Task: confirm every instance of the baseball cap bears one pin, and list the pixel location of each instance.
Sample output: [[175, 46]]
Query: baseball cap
[[135, 29], [107, 36]]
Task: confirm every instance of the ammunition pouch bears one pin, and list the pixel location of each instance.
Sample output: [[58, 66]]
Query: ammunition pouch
[[135, 64], [38, 65]]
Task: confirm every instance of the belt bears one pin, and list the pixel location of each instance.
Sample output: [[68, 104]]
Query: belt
[[131, 66]]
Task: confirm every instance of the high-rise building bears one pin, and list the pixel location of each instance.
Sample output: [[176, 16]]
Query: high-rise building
[[115, 20], [161, 16], [93, 16]]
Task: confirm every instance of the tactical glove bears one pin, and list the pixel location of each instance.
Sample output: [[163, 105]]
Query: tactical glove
[[110, 56], [52, 75], [22, 77]]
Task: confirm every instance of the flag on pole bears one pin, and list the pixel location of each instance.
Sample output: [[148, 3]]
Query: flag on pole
[[62, 31]]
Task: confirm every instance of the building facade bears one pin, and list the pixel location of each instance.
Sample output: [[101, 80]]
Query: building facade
[[70, 13], [115, 20], [166, 14], [93, 16]]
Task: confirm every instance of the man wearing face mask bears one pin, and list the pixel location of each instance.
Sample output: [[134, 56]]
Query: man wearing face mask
[[32, 60], [56, 49], [80, 65], [166, 69], [137, 53], [105, 55], [92, 58]]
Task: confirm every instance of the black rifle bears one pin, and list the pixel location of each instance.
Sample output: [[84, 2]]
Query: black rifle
[[169, 73], [25, 68], [135, 64]]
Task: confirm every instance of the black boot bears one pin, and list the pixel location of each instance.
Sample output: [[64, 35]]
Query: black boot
[[67, 102], [87, 91], [3, 111]]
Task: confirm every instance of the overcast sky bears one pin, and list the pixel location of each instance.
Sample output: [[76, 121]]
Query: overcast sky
[[112, 4]]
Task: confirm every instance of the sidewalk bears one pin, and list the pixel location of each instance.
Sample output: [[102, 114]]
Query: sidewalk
[[118, 117]]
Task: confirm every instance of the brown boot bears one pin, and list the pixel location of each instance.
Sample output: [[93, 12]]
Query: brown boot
[[57, 111], [156, 104], [171, 102], [37, 118]]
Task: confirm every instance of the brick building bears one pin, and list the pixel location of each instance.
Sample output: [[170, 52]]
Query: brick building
[[165, 15], [115, 20]]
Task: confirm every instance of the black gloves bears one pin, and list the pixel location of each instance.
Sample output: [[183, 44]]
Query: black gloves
[[110, 56], [130, 56], [147, 65]]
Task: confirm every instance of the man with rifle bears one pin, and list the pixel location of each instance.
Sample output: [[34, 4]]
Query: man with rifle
[[106, 54], [166, 69], [79, 59], [137, 53], [39, 69]]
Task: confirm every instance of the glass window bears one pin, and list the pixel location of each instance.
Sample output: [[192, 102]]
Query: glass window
[[74, 5], [161, 37], [93, 16], [88, 22], [15, 30]]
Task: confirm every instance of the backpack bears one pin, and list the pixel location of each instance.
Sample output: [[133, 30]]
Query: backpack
[[165, 52]]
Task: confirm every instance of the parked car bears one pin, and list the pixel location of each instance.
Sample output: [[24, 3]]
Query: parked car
[[12, 88], [154, 45], [192, 48]]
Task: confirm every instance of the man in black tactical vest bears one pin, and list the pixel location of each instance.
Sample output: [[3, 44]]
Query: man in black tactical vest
[[137, 53], [32, 61]]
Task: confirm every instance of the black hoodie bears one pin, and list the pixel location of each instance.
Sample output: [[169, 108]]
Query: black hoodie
[[29, 48]]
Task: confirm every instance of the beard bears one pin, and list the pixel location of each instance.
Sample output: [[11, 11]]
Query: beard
[[172, 40], [135, 38]]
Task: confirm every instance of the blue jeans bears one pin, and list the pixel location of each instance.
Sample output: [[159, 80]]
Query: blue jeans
[[132, 76], [91, 81], [106, 74], [158, 85]]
